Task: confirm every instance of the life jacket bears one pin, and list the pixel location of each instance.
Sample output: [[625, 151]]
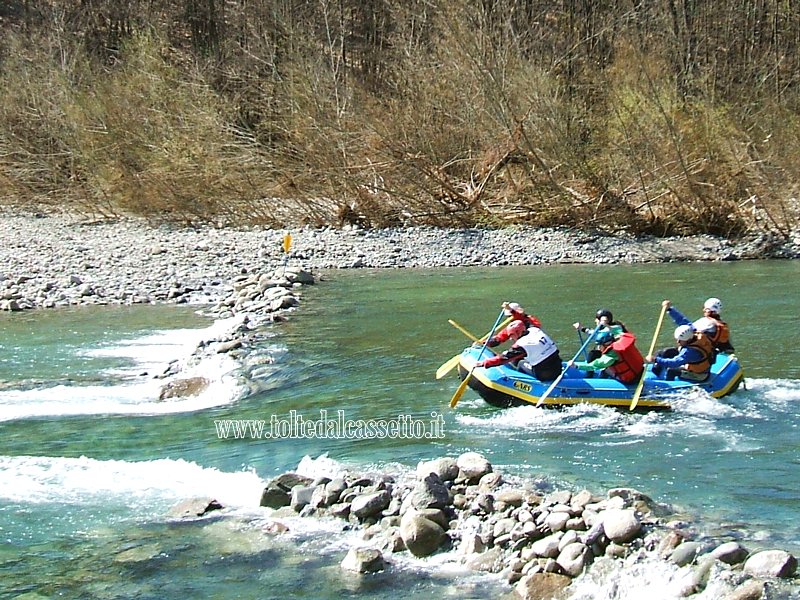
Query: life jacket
[[717, 332], [703, 365], [537, 345], [722, 335], [630, 365]]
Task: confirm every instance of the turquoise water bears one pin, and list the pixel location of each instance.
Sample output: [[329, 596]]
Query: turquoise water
[[90, 463]]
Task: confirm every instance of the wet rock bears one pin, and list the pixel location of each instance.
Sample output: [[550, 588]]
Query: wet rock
[[194, 507], [621, 525], [730, 553], [771, 563], [421, 536], [539, 586], [445, 468], [685, 553], [429, 493], [369, 505], [490, 561], [184, 388], [472, 466], [573, 559], [274, 496], [363, 560], [300, 497], [750, 590]]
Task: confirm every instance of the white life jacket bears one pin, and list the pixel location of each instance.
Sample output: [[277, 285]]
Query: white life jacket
[[537, 345]]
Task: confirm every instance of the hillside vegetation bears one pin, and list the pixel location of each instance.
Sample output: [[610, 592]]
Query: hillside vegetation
[[665, 117]]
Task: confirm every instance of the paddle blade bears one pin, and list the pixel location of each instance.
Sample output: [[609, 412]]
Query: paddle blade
[[460, 391], [287, 243], [447, 367], [638, 392]]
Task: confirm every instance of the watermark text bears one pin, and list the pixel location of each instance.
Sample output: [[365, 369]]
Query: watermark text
[[331, 426]]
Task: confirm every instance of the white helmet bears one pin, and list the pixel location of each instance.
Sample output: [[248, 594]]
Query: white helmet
[[713, 304], [510, 307], [684, 333]]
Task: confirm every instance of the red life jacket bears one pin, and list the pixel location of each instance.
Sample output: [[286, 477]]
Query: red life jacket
[[703, 344], [630, 365]]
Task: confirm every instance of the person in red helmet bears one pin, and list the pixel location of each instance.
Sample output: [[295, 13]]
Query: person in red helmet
[[533, 352], [516, 312]]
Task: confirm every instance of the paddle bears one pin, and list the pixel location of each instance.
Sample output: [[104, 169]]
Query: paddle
[[640, 385], [580, 337], [471, 336], [574, 358], [453, 362], [463, 386], [447, 367]]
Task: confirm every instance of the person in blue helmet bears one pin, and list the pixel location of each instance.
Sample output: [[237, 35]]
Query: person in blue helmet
[[603, 317], [618, 357]]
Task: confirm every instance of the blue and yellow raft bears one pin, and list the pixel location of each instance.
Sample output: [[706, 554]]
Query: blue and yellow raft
[[506, 385]]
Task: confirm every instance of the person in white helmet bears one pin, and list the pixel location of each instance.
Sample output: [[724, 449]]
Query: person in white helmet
[[710, 324], [690, 360]]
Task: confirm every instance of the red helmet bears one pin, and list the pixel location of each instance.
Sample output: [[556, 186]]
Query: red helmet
[[517, 329]]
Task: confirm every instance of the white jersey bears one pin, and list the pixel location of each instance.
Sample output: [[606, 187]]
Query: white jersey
[[537, 345]]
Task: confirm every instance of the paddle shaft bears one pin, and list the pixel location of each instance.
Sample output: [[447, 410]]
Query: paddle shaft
[[453, 362], [463, 386], [574, 358], [640, 385], [471, 336], [580, 337]]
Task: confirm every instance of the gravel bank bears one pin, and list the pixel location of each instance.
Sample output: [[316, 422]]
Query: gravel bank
[[60, 260]]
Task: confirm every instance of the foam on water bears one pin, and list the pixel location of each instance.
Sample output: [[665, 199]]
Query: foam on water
[[129, 391], [579, 417], [87, 481]]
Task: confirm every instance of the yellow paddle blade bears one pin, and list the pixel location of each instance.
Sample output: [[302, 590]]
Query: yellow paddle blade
[[287, 243], [460, 391], [447, 367]]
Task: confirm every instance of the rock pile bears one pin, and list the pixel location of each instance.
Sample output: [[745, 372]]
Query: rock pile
[[538, 540]]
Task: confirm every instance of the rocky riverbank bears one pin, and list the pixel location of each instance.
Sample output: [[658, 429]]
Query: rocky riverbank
[[59, 260], [541, 541]]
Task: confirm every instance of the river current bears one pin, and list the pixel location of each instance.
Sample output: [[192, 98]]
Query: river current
[[91, 461]]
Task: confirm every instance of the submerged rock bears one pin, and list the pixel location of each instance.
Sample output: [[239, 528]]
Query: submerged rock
[[184, 388]]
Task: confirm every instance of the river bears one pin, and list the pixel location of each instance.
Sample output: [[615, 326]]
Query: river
[[91, 462]]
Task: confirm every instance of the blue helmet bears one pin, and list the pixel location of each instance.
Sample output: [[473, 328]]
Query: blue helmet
[[604, 337]]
